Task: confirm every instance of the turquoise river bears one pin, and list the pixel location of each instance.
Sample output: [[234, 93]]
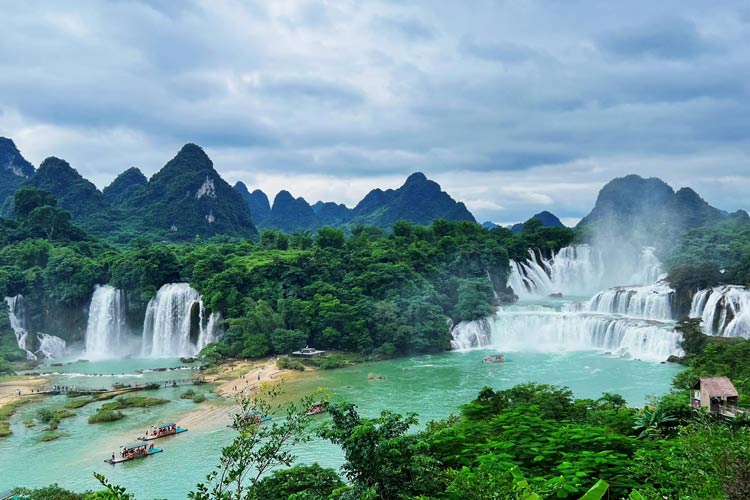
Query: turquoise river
[[432, 386]]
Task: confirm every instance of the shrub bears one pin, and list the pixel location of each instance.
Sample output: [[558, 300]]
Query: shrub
[[105, 416], [290, 364], [50, 436], [45, 415], [199, 398]]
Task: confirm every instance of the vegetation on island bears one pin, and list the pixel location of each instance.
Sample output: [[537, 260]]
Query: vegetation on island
[[109, 412], [7, 411], [103, 416]]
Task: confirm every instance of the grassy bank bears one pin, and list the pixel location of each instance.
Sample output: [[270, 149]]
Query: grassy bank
[[6, 412]]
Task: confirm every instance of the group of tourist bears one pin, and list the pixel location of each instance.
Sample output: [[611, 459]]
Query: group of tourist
[[162, 431], [131, 453]]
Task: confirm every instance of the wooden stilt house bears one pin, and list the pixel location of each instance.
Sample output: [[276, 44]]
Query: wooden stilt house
[[716, 394]]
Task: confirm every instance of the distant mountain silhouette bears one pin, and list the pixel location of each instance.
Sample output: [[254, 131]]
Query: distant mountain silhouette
[[419, 200], [331, 214], [125, 186], [188, 199], [291, 214], [257, 202], [548, 220]]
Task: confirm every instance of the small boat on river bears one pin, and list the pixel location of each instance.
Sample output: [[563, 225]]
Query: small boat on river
[[252, 417], [255, 417], [162, 430], [316, 409], [498, 358], [133, 451]]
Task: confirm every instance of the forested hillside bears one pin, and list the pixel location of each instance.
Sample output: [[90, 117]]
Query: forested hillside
[[370, 291]]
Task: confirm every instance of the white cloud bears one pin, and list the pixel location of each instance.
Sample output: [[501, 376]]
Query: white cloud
[[514, 107]]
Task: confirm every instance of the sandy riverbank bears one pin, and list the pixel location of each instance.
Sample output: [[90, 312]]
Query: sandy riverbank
[[243, 377], [10, 385], [235, 379]]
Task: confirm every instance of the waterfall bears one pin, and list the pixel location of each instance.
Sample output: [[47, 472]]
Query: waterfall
[[559, 331], [50, 347], [176, 323], [582, 270], [17, 316], [645, 302], [633, 321], [469, 334], [492, 284], [724, 310], [649, 268], [548, 330], [211, 332], [107, 329]]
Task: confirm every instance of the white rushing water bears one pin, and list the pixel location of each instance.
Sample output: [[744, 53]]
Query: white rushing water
[[635, 319], [107, 328], [582, 270], [17, 316], [470, 334], [176, 323], [50, 347], [725, 310], [563, 331], [645, 302]]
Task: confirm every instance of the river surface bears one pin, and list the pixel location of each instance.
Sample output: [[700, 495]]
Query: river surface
[[432, 386]]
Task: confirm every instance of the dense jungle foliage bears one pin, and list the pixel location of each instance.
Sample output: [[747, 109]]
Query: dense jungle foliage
[[370, 291]]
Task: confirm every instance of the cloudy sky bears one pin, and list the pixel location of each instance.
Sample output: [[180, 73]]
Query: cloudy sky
[[512, 106]]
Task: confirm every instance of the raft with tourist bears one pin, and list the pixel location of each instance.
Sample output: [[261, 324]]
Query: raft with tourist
[[316, 409], [497, 358], [133, 451], [252, 417], [162, 430]]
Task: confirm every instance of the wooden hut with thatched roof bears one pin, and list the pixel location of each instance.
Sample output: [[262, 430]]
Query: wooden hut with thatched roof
[[717, 395]]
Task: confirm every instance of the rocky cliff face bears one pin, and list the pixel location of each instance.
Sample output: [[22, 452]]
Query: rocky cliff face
[[14, 169]]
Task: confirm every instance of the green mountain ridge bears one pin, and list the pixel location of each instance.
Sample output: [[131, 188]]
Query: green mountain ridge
[[647, 210], [330, 213], [187, 198], [548, 220], [290, 214], [419, 201], [257, 202], [74, 193], [125, 186]]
